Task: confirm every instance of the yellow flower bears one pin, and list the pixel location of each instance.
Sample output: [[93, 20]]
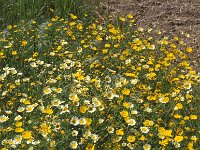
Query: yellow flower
[[176, 38], [2, 55], [130, 75], [126, 91], [72, 23], [194, 138], [24, 43], [179, 131], [179, 106], [178, 138], [26, 102], [142, 138], [88, 121], [157, 66], [90, 147], [74, 97], [53, 19], [45, 129], [122, 19], [9, 27], [78, 75], [131, 138], [164, 142], [14, 52], [49, 24], [124, 113], [172, 45], [18, 130], [73, 16], [120, 132], [186, 118], [127, 105], [52, 143], [8, 129], [168, 133], [130, 16], [98, 38], [48, 111], [62, 132], [182, 122], [26, 135], [193, 117], [189, 49], [59, 47], [83, 109], [35, 54], [33, 22], [190, 146], [177, 116], [163, 132], [107, 45], [151, 76], [18, 124], [94, 48], [148, 123], [104, 51], [79, 26]]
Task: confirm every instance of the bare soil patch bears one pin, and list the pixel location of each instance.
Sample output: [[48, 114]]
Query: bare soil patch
[[172, 16]]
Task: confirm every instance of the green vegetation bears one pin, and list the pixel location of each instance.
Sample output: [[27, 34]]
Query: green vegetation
[[75, 82], [13, 11]]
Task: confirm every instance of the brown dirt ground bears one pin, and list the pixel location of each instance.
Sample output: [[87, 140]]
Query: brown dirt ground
[[170, 16]]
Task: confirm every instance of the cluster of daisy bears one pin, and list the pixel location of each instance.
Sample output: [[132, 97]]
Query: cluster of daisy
[[95, 84]]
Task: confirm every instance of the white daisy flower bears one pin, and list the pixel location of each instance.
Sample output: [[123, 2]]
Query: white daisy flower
[[131, 122], [144, 129], [147, 147], [74, 145], [74, 121]]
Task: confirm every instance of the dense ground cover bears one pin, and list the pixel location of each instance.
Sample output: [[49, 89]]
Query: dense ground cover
[[85, 83], [95, 84]]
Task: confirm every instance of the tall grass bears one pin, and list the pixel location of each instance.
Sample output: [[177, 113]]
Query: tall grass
[[13, 11]]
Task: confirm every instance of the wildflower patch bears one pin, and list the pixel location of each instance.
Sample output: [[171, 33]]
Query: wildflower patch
[[82, 84]]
